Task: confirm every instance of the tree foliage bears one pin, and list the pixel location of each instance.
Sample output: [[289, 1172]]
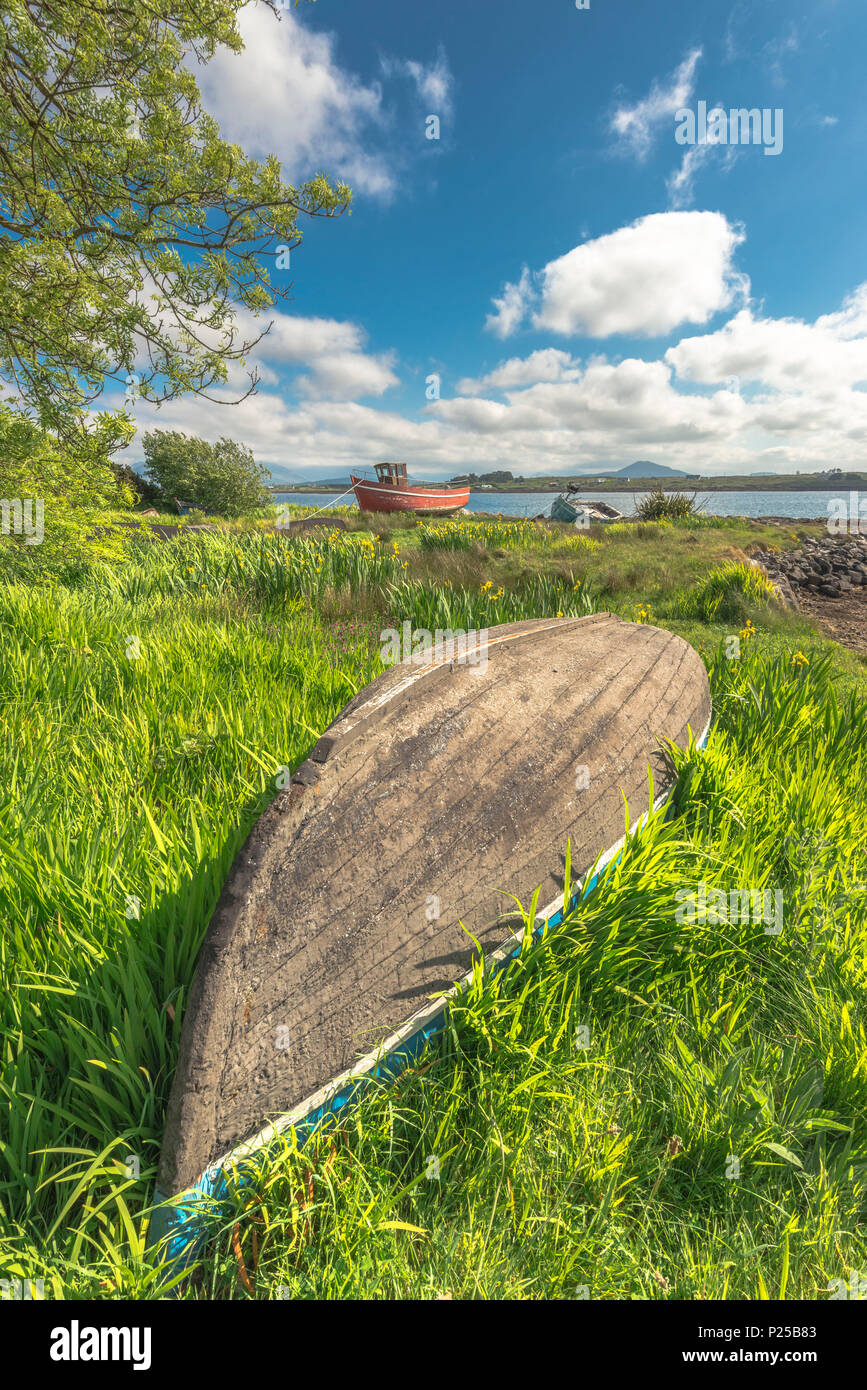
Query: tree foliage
[[223, 478], [130, 231], [39, 481]]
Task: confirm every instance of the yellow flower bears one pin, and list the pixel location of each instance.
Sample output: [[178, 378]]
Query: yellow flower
[[800, 660], [488, 584], [576, 585], [559, 615]]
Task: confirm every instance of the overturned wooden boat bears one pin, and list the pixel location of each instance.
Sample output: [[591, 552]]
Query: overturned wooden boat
[[451, 782]]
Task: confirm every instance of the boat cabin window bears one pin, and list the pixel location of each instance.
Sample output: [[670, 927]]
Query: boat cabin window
[[394, 473]]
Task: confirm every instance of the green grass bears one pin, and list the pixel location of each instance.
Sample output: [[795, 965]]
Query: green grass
[[508, 533], [128, 776], [565, 1167], [562, 1167], [730, 591], [625, 565]]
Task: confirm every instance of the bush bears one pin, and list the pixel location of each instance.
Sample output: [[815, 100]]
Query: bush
[[222, 479], [139, 487], [659, 505], [728, 593], [51, 502]]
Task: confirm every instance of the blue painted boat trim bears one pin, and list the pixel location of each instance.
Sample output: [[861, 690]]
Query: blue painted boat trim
[[172, 1221], [178, 1226]]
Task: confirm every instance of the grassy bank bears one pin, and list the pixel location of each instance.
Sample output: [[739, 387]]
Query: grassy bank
[[151, 706]]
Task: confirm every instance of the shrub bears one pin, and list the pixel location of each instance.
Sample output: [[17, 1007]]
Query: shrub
[[222, 479], [659, 505], [140, 489], [727, 593], [50, 503]]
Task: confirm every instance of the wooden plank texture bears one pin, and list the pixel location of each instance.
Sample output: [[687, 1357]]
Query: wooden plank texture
[[438, 791]]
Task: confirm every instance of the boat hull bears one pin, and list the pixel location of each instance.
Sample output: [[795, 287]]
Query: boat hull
[[561, 510], [385, 497], [583, 512], [439, 791]]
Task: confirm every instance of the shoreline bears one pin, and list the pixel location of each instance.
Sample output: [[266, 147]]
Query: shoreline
[[646, 485]]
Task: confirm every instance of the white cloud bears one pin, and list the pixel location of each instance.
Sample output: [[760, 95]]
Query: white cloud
[[285, 94], [679, 185], [646, 279], [510, 307], [348, 375], [777, 50], [547, 364], [332, 349], [292, 338], [799, 401], [610, 414], [783, 354], [433, 82], [636, 126]]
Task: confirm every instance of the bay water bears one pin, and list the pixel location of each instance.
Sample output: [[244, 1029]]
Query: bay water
[[804, 506]]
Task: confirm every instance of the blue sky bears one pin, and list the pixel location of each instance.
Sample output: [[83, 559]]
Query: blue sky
[[588, 291]]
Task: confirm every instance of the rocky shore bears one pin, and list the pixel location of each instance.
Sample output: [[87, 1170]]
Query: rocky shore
[[826, 579], [828, 565]]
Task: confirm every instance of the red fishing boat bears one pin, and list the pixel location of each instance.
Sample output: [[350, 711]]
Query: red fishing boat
[[393, 492]]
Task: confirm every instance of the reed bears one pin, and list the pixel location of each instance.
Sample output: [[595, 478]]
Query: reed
[[519, 534], [149, 708]]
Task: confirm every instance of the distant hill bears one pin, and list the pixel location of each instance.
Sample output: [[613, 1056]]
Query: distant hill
[[291, 477], [328, 483], [644, 469]]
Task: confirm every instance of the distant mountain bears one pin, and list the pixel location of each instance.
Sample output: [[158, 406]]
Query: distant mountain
[[292, 477], [644, 469], [328, 484], [279, 474]]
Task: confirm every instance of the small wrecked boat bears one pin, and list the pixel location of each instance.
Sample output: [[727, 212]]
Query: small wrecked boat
[[393, 492], [570, 509], [455, 780]]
